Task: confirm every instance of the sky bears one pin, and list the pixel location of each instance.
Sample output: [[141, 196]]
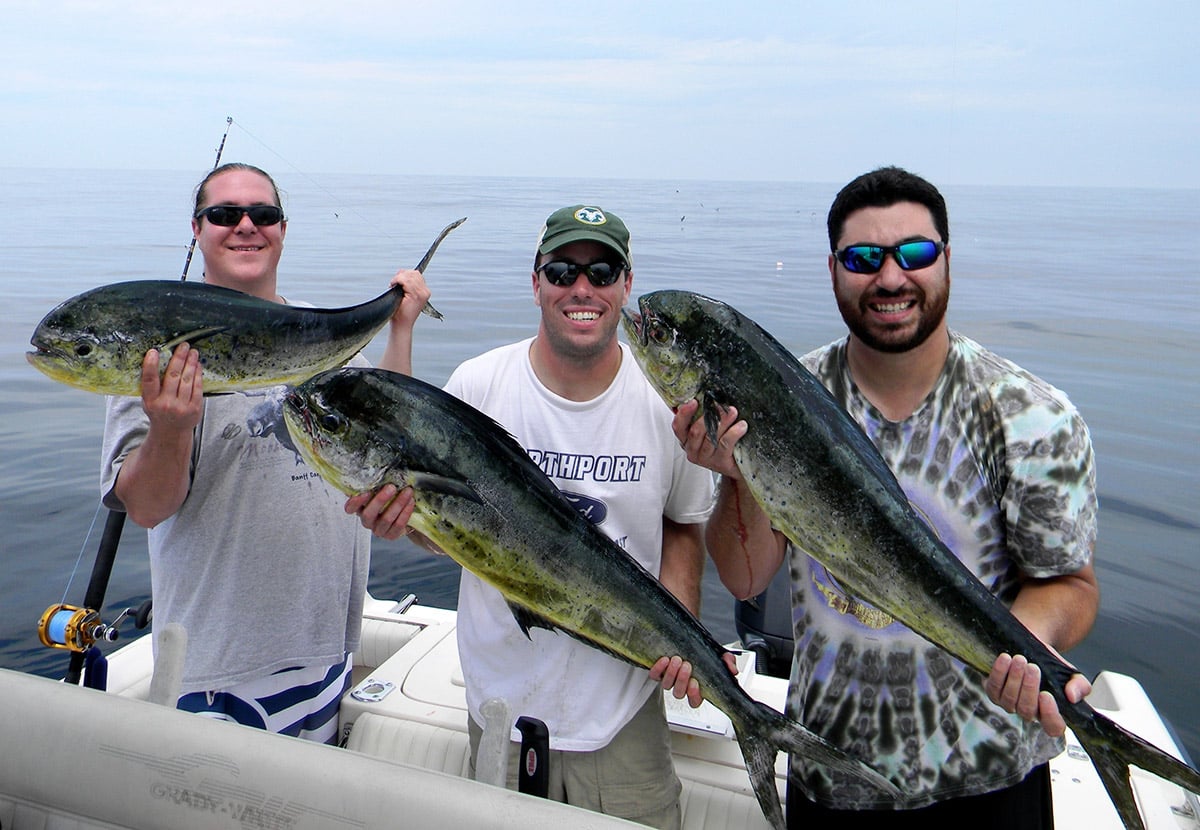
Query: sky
[[1048, 92]]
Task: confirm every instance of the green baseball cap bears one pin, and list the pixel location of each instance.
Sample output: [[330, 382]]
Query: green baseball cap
[[585, 222]]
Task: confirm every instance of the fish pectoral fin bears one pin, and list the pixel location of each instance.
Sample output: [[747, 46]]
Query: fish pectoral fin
[[713, 410], [433, 483], [527, 619], [193, 337]]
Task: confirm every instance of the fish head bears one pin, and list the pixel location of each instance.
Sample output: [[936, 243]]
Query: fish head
[[334, 436], [87, 343], [361, 428], [667, 343]]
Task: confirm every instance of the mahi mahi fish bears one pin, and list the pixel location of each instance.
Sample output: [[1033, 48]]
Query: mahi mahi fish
[[483, 501], [825, 486], [96, 340]]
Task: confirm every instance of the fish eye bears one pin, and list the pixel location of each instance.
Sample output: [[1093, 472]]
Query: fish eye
[[332, 422], [83, 348], [660, 334]]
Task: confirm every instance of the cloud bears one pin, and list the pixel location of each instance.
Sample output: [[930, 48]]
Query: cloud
[[971, 92]]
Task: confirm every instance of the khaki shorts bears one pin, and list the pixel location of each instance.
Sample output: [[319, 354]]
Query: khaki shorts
[[633, 777]]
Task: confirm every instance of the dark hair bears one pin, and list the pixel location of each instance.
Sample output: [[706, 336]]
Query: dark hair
[[885, 187], [201, 188]]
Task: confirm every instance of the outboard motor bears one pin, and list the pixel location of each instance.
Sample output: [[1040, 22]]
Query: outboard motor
[[764, 625]]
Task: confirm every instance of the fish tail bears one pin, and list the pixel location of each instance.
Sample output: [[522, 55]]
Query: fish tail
[[1112, 749], [771, 732], [759, 754], [424, 263]]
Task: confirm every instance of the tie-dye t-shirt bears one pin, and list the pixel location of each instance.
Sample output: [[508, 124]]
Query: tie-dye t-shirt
[[1000, 464]]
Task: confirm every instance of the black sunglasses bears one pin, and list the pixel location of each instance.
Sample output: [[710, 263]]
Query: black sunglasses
[[868, 259], [563, 274], [229, 215]]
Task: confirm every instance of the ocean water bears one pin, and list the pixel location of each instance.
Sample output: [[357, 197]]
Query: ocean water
[[1090, 288]]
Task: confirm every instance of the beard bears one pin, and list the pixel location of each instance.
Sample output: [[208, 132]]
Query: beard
[[898, 338]]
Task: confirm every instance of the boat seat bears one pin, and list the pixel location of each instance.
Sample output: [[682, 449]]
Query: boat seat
[[411, 742], [381, 639], [705, 807]]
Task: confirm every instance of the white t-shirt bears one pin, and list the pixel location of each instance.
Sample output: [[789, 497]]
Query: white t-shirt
[[616, 458]]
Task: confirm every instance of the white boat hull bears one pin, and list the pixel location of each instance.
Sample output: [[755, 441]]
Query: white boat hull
[[77, 758]]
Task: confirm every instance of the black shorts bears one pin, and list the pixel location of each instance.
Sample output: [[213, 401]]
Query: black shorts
[[1026, 806]]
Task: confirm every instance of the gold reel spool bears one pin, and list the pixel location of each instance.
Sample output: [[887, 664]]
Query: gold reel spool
[[70, 627]]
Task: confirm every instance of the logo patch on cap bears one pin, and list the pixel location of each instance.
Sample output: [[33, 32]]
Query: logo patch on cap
[[591, 216]]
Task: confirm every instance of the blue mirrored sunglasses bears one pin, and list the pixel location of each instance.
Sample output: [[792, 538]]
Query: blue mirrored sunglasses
[[868, 259]]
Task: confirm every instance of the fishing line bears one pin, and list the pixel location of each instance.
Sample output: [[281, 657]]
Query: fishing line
[[332, 196], [98, 583], [74, 628], [82, 547], [192, 245]]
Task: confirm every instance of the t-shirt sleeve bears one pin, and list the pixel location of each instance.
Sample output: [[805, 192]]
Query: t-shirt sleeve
[[1050, 504]]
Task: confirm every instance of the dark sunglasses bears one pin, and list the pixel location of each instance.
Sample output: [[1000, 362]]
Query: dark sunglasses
[[229, 215], [868, 259], [599, 274]]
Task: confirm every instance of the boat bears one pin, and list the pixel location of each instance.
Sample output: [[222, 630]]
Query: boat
[[78, 757]]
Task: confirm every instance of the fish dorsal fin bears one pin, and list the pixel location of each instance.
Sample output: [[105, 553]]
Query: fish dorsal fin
[[445, 485]]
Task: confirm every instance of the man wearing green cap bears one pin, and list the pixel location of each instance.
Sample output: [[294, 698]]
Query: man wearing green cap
[[577, 402]]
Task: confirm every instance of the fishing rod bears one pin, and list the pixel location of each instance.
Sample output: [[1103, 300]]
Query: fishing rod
[[76, 628], [187, 263]]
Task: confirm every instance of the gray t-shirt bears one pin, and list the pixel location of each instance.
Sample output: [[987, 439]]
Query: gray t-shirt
[[261, 565]]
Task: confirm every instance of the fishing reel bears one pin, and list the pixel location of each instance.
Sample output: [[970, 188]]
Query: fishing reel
[[77, 629]]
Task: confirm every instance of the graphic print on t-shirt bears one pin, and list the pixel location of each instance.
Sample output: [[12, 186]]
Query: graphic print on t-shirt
[[263, 420], [586, 467]]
